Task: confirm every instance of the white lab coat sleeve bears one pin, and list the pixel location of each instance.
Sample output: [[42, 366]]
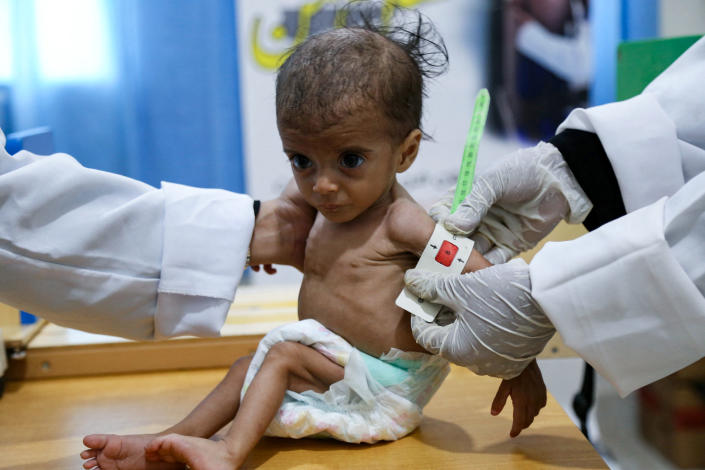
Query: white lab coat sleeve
[[207, 234], [629, 296], [103, 253], [620, 297], [641, 143], [656, 140]]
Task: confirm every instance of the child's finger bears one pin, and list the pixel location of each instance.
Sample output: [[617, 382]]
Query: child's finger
[[518, 426], [90, 463], [520, 421], [269, 269], [500, 398]]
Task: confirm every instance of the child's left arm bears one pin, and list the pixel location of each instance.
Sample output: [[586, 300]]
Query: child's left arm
[[411, 228]]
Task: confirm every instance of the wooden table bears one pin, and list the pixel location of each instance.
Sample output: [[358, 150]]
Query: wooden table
[[62, 352], [42, 423]]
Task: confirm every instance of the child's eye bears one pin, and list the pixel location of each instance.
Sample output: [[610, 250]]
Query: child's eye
[[351, 160], [300, 162]]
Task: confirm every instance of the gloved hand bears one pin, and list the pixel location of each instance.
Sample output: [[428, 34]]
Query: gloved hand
[[516, 203], [497, 328]]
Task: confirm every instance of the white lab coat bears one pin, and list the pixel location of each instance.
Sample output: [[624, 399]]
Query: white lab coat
[[629, 296], [107, 254]]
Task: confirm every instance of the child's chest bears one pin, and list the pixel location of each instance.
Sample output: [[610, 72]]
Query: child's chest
[[352, 274], [350, 248]]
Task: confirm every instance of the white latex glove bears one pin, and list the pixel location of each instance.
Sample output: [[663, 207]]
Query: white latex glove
[[497, 327], [516, 203]]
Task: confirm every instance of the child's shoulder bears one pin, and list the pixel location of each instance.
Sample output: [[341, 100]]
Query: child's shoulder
[[403, 206], [408, 224]]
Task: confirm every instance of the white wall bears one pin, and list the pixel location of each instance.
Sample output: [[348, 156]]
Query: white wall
[[682, 17]]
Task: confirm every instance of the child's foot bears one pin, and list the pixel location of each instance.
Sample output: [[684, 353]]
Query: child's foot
[[113, 452], [197, 453]]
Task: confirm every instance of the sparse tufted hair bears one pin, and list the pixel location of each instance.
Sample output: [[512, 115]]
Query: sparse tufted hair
[[336, 73]]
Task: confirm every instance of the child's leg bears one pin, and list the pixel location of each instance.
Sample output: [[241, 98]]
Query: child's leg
[[218, 408], [215, 411], [288, 365]]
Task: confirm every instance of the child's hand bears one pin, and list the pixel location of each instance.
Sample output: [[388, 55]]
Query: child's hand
[[281, 230], [268, 268], [528, 394]]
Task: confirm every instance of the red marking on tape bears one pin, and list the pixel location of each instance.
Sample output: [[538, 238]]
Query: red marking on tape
[[446, 254]]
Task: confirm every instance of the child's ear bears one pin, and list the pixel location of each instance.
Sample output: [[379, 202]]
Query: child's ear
[[408, 150]]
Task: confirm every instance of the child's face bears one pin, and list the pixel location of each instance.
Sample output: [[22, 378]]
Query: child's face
[[347, 168]]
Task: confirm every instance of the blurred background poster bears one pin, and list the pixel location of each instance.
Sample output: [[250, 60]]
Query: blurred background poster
[[538, 58], [541, 65]]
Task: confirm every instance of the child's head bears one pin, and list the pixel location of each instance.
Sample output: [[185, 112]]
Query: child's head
[[337, 73], [349, 105]]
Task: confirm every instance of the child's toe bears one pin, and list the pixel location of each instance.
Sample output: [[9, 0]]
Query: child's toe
[[95, 441], [89, 454], [90, 463]]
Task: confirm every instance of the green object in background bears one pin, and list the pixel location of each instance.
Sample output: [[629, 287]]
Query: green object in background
[[472, 144], [639, 62]]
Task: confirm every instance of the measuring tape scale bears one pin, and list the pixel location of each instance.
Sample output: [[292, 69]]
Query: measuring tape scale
[[472, 145]]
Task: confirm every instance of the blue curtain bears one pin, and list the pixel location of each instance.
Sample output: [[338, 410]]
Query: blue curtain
[[148, 89], [613, 22]]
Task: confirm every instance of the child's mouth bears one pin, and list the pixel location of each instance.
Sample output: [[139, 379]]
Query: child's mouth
[[330, 207]]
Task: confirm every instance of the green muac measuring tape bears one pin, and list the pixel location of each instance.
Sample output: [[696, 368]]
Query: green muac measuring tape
[[472, 143]]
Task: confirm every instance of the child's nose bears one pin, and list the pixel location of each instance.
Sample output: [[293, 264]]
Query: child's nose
[[325, 184]]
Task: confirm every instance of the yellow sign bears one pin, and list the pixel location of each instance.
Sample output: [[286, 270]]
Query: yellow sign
[[299, 24]]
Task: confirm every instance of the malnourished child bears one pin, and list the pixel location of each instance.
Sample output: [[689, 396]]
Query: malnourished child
[[348, 112]]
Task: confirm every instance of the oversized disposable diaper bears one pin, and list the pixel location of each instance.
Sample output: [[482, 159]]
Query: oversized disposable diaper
[[378, 399]]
